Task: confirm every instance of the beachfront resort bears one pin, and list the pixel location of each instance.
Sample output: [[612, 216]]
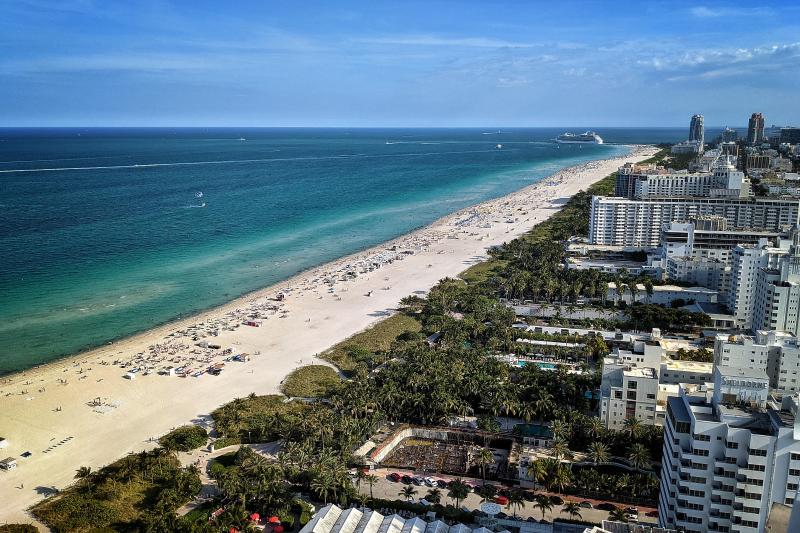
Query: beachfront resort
[[620, 354]]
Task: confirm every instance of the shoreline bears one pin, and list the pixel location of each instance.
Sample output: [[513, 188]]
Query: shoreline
[[319, 301]]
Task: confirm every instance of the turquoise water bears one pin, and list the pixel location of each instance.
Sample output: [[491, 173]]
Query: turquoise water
[[104, 234], [543, 366]]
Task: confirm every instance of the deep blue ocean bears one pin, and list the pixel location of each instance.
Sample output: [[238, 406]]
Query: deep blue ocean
[[107, 232]]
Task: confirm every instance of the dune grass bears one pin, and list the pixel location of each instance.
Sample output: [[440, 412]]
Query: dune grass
[[312, 381], [375, 339]]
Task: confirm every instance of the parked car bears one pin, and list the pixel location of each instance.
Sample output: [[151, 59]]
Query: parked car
[[529, 496], [418, 480], [557, 500], [429, 481], [501, 500], [406, 479], [632, 510], [586, 504], [605, 506], [442, 484], [653, 513], [394, 476]]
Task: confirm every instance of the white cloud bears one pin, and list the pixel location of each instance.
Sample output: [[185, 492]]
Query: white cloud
[[435, 40], [709, 64], [717, 12]]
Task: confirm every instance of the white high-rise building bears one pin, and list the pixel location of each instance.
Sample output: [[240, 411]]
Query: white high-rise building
[[775, 352], [629, 385], [776, 301], [640, 182], [624, 222], [728, 456], [700, 251], [746, 263]]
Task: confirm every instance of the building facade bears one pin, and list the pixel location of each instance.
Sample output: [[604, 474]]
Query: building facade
[[625, 222], [755, 129], [728, 455]]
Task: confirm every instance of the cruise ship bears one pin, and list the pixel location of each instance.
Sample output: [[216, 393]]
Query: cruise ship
[[588, 137]]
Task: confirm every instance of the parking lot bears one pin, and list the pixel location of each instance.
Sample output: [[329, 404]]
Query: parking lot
[[390, 490]]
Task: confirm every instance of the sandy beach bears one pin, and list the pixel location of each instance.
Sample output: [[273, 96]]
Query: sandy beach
[[90, 409]]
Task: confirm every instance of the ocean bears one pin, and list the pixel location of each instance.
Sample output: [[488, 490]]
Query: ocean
[[108, 232]]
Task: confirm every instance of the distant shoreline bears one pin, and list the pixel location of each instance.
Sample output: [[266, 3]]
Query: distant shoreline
[[182, 319]]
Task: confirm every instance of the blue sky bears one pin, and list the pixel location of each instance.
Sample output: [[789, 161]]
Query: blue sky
[[404, 63]]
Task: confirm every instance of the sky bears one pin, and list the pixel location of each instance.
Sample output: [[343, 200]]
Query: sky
[[407, 63]]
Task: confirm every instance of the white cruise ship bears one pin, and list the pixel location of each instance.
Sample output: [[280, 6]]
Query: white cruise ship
[[588, 137]]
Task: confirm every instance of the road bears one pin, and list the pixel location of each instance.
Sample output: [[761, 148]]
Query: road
[[389, 490]]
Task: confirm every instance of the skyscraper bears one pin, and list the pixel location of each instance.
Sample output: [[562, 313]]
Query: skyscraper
[[696, 129], [755, 129]]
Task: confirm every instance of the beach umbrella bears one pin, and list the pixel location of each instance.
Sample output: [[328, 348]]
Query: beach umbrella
[[274, 520], [255, 517], [233, 530], [277, 529]]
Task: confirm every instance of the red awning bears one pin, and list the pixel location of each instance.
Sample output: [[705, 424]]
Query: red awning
[[274, 520]]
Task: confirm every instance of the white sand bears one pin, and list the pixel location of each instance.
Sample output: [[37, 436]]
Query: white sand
[[47, 410]]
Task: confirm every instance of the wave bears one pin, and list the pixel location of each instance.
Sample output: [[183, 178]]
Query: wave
[[235, 161]]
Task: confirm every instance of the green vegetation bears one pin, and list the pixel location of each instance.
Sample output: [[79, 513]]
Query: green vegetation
[[184, 438], [138, 492], [701, 356], [256, 418], [312, 381], [18, 528], [369, 343]]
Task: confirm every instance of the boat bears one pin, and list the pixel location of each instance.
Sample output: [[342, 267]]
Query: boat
[[499, 146], [588, 137]]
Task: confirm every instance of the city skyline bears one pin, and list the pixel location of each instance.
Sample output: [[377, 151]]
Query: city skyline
[[83, 63]]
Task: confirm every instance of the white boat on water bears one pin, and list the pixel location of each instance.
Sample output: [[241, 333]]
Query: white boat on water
[[588, 137]]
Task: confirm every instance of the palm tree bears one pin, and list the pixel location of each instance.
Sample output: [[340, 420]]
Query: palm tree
[[371, 480], [544, 504], [516, 501], [408, 492], [458, 491], [639, 456], [617, 515], [84, 473], [572, 509], [484, 457], [598, 452], [360, 476], [434, 495], [536, 472], [559, 449], [595, 427], [561, 477], [321, 485], [633, 426]]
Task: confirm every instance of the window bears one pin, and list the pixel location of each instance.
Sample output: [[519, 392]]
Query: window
[[701, 438], [732, 445], [632, 385], [794, 472], [795, 456], [757, 453]]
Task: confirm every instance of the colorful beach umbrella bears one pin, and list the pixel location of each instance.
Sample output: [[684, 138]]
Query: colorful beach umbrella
[[274, 520], [277, 529], [255, 517]]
